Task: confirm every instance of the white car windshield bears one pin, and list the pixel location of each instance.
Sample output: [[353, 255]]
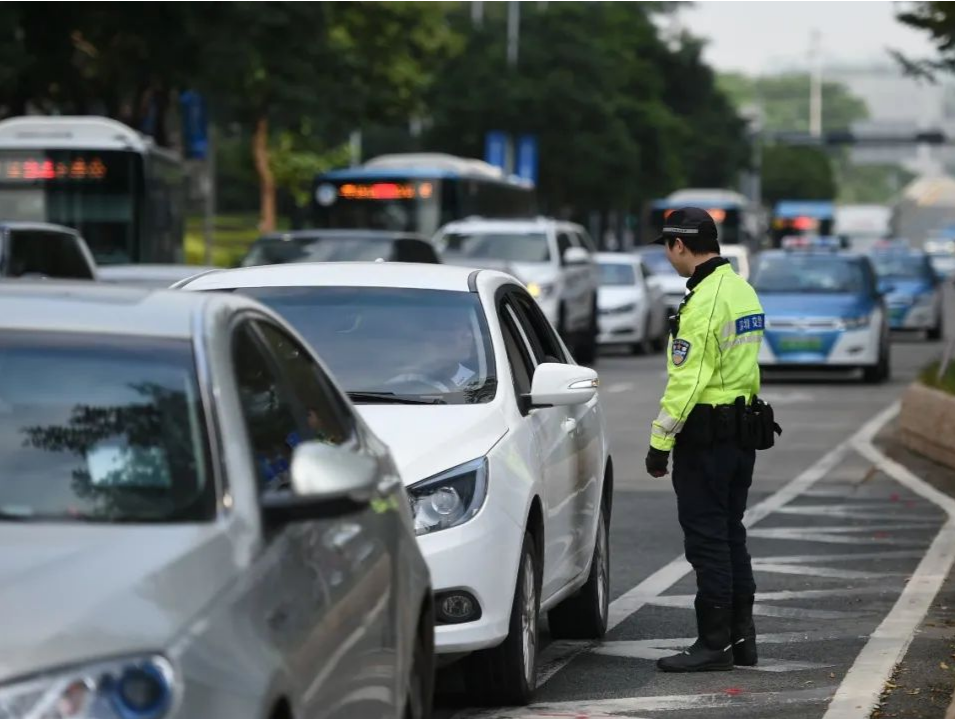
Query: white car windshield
[[432, 345], [511, 246], [101, 429], [614, 274], [901, 266], [657, 262]]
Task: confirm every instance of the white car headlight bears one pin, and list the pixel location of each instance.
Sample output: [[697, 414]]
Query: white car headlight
[[134, 688], [450, 498], [540, 290], [856, 323]]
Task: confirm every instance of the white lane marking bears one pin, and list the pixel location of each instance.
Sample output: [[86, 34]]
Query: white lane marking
[[788, 397], [840, 535], [823, 572], [860, 511], [629, 706], [860, 690], [651, 650], [559, 654], [851, 557], [785, 595], [620, 387]]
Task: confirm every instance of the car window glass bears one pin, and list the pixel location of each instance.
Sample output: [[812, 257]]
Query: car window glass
[[586, 241], [267, 410], [324, 410], [563, 243], [516, 353], [100, 428], [50, 254], [645, 271], [538, 330]]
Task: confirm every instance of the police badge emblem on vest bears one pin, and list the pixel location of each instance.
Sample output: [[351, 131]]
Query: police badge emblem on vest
[[679, 351]]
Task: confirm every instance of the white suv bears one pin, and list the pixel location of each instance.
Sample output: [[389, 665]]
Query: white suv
[[554, 259]]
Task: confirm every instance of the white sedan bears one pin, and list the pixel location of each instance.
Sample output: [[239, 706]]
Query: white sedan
[[632, 309], [498, 434]]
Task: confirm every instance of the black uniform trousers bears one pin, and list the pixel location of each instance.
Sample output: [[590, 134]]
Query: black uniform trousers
[[712, 484]]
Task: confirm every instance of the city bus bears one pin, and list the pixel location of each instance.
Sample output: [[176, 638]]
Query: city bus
[[737, 221], [121, 192], [796, 218], [417, 192]]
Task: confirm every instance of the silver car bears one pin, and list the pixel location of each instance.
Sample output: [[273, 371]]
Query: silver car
[[193, 520]]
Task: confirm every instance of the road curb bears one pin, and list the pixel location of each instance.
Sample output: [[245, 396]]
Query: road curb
[[927, 420]]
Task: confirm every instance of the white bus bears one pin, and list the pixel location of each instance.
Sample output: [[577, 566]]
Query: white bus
[[124, 194]]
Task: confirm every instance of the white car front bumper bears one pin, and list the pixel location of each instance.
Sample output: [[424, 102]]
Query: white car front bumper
[[619, 328], [481, 558]]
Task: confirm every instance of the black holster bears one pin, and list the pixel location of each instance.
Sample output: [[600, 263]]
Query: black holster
[[757, 424]]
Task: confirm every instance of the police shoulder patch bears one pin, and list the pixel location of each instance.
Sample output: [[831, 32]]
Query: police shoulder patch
[[679, 351]]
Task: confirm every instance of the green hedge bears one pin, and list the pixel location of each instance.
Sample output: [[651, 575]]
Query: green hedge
[[232, 234], [929, 377]]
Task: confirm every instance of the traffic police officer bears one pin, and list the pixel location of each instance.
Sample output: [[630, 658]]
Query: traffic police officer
[[713, 376]]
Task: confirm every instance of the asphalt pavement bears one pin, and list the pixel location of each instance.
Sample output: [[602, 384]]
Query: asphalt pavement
[[836, 534]]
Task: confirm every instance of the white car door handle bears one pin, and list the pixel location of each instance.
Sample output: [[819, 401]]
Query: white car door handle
[[569, 425]]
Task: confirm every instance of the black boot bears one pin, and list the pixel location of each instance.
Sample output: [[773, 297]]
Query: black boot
[[712, 651], [744, 631]]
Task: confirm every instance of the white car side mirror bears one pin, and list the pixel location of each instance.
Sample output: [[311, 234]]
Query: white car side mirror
[[323, 472], [327, 482], [562, 385], [576, 256]]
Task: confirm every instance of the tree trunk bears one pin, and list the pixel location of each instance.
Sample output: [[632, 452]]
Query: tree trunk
[[260, 155]]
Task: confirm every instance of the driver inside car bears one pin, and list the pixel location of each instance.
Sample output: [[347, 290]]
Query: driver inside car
[[446, 361]]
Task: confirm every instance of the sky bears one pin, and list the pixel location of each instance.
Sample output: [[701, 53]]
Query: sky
[[768, 36]]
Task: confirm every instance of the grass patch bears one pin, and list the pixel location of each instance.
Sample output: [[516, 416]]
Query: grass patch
[[929, 377], [231, 237]]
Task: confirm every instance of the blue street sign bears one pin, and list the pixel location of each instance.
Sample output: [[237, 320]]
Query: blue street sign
[[527, 157], [195, 125], [495, 148]]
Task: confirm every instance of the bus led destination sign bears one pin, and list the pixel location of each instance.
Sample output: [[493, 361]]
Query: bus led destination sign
[[33, 169], [385, 191]]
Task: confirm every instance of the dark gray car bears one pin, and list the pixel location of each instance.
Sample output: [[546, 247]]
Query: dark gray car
[[193, 520], [38, 249], [340, 246]]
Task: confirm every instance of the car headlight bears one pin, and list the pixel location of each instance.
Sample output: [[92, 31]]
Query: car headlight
[[540, 290], [856, 323], [135, 688], [450, 498]]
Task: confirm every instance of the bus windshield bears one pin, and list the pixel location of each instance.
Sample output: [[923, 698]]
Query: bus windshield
[[92, 191]]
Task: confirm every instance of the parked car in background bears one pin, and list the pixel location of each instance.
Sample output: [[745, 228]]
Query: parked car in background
[[672, 285], [154, 276], [554, 259], [499, 437], [941, 253], [739, 258], [340, 246], [194, 520], [633, 310], [36, 249]]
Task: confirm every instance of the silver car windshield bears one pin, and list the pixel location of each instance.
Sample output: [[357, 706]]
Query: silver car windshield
[[101, 429], [398, 343]]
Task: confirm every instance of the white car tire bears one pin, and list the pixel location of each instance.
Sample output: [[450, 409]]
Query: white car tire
[[506, 675], [584, 615]]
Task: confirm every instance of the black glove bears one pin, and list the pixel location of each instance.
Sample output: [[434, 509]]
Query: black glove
[[657, 461]]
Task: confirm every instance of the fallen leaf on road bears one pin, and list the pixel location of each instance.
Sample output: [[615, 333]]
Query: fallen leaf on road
[[943, 665]]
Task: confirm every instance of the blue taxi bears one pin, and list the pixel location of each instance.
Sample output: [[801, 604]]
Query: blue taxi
[[912, 287], [823, 309]]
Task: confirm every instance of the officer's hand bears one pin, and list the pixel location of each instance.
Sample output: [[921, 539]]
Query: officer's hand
[[657, 462]]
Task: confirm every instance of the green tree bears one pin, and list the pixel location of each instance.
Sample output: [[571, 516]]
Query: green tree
[[784, 101], [797, 173], [606, 98], [938, 20]]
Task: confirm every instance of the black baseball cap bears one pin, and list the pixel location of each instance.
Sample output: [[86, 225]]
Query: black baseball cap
[[688, 224]]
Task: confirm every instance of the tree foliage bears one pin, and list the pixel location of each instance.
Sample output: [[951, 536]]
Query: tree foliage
[[620, 118], [797, 173], [938, 20], [784, 101]]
